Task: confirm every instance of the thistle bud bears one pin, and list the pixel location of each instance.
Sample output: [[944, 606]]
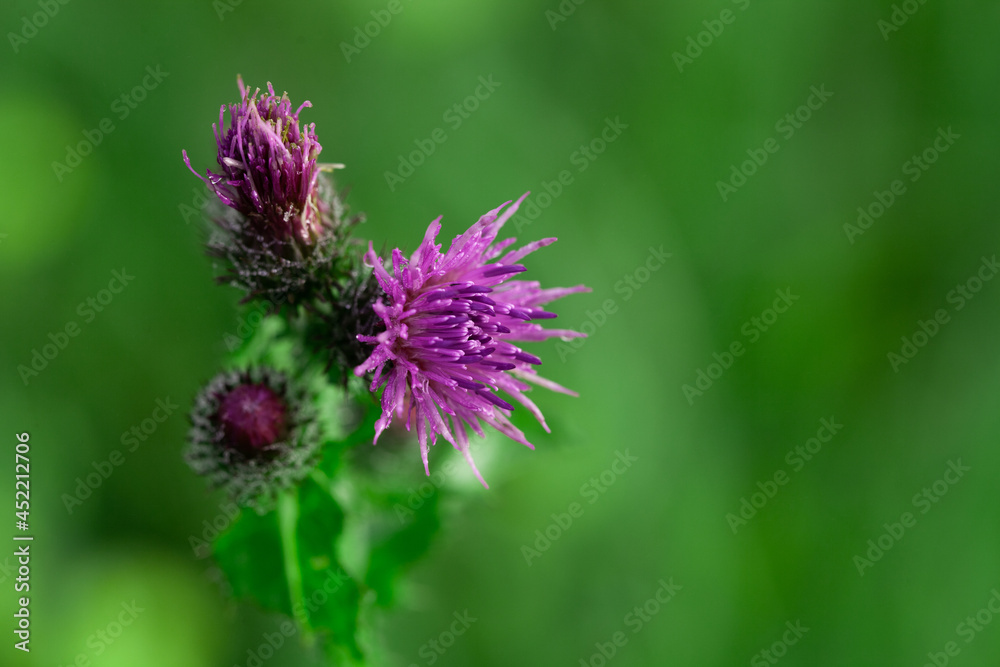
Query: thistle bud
[[281, 224], [253, 434]]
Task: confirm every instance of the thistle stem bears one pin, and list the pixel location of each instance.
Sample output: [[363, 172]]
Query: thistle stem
[[288, 517]]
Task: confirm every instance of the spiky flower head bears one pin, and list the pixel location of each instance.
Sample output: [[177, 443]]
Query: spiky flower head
[[252, 433], [285, 223], [451, 321]]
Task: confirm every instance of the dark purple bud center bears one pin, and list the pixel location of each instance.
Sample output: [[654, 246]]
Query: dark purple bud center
[[252, 417]]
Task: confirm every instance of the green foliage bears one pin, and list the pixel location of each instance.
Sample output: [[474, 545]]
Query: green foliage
[[250, 553], [133, 204], [330, 596], [286, 561], [396, 549]]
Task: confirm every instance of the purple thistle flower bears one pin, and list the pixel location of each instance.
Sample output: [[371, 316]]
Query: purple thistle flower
[[269, 166], [285, 231], [449, 325]]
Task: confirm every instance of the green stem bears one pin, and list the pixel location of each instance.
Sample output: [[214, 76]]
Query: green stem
[[288, 518]]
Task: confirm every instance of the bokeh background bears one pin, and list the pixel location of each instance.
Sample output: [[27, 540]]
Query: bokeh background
[[685, 124]]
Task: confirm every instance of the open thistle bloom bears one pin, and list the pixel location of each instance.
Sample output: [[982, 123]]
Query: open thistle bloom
[[285, 223], [252, 433], [450, 324]]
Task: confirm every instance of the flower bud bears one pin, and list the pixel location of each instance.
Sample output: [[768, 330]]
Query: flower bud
[[280, 222], [253, 434]]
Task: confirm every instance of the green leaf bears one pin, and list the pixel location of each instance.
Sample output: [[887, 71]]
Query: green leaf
[[286, 561], [362, 430], [330, 597], [399, 547], [261, 342], [250, 553]]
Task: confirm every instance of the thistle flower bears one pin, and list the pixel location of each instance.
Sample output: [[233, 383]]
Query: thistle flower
[[450, 320], [253, 434], [285, 223]]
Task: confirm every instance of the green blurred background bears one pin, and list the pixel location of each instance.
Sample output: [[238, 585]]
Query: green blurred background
[[688, 123]]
